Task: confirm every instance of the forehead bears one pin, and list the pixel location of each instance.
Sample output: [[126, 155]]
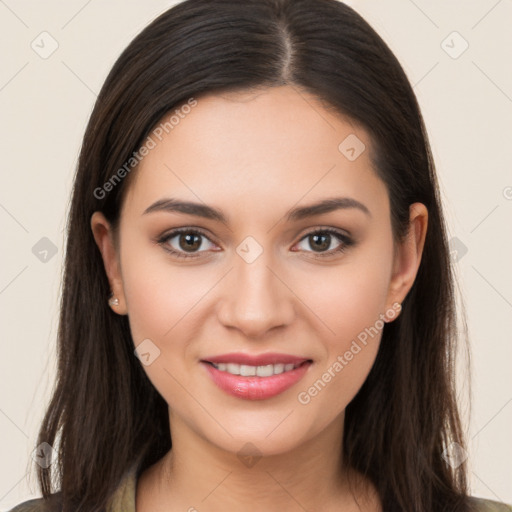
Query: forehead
[[261, 148]]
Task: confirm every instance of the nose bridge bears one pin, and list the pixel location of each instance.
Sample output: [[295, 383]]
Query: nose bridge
[[254, 298]]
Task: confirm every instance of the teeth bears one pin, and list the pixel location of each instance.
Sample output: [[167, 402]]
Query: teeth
[[233, 368], [278, 368], [249, 371], [264, 371]]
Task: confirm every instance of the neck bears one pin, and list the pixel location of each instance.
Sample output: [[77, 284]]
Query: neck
[[198, 476]]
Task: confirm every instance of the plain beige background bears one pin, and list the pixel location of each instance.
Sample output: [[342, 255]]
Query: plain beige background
[[45, 100]]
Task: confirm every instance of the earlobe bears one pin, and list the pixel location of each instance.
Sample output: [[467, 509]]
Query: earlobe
[[408, 254], [103, 236]]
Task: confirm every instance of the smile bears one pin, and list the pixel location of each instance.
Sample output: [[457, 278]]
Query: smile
[[255, 377], [251, 371]]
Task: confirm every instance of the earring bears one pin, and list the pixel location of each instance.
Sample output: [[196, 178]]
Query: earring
[[113, 301], [393, 312]]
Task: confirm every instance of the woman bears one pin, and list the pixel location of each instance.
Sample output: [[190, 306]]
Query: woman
[[257, 200]]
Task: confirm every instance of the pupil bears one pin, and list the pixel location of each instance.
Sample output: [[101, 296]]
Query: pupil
[[325, 244], [192, 241]]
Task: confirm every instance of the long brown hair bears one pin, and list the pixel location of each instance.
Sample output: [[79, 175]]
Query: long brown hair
[[105, 415]]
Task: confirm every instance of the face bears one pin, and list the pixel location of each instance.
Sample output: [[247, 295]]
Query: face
[[254, 281]]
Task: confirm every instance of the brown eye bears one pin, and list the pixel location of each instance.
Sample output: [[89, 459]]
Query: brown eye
[[322, 241], [189, 242], [185, 243]]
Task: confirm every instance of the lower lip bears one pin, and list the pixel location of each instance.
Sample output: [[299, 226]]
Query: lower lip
[[256, 388]]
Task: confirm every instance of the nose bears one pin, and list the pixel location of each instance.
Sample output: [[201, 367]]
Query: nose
[[255, 298]]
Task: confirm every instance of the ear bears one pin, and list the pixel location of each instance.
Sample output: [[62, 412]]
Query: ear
[[408, 255], [103, 235]]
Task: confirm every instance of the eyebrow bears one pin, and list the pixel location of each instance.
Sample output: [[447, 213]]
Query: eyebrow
[[173, 205]]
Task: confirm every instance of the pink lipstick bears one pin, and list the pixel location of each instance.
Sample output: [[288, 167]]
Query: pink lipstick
[[256, 377]]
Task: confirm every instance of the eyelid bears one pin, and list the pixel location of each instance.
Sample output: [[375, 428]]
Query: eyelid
[[165, 237], [346, 241], [342, 233]]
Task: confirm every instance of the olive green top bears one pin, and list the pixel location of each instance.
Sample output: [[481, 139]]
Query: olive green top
[[123, 500]]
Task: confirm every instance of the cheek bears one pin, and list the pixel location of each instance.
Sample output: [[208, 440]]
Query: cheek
[[349, 353], [350, 300], [160, 296], [162, 303], [351, 343], [152, 301]]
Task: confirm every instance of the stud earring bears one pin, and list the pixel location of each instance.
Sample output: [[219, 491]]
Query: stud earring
[[113, 301], [393, 312]]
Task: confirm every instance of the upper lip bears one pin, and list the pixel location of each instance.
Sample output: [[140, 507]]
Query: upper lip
[[256, 360]]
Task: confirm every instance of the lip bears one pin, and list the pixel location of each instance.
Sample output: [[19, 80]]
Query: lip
[[256, 388], [256, 360]]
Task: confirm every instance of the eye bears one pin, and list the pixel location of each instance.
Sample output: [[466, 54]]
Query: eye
[[321, 241], [185, 242], [190, 243]]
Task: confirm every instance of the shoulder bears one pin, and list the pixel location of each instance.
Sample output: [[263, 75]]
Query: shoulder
[[52, 504], [482, 505], [122, 499]]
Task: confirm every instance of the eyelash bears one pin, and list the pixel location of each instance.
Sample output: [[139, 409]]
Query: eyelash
[[346, 241]]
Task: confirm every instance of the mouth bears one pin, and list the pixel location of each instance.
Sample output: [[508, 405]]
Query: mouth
[[256, 377], [246, 370]]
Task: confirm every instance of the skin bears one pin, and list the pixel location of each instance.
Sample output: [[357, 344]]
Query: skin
[[255, 156]]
